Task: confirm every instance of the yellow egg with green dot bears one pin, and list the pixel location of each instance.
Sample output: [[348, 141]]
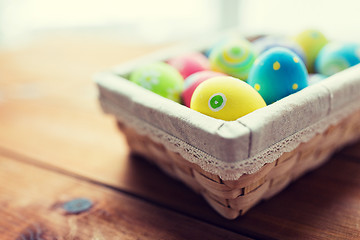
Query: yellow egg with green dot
[[226, 98]]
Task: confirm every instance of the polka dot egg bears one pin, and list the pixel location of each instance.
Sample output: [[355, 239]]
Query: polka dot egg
[[278, 73], [234, 58], [226, 98], [159, 78], [335, 57]]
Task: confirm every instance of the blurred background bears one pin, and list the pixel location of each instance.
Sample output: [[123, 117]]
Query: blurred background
[[160, 21]]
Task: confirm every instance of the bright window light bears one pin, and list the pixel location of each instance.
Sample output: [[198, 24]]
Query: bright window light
[[336, 19], [163, 20]]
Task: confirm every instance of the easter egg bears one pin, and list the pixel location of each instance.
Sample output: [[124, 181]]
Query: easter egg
[[234, 58], [222, 41], [189, 63], [311, 41], [278, 73], [225, 98], [315, 78], [265, 43], [159, 78], [193, 81], [335, 57]]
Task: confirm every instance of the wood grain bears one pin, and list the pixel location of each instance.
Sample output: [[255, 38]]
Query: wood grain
[[50, 118], [321, 205], [31, 203], [48, 103]]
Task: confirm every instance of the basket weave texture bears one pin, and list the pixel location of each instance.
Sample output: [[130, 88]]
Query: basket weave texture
[[234, 198]]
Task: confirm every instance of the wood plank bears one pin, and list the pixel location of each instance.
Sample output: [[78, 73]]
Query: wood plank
[[321, 205], [48, 103], [133, 178], [32, 207]]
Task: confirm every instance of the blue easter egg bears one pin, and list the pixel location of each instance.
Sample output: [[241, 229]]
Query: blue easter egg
[[278, 73], [335, 57]]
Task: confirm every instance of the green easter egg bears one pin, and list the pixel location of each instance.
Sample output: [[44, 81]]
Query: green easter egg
[[159, 78], [234, 58]]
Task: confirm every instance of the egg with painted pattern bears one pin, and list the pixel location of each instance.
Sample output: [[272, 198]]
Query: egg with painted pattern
[[235, 58], [278, 73], [335, 57], [222, 41], [226, 98], [160, 78]]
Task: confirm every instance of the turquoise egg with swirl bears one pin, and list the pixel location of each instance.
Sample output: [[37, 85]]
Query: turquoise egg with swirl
[[234, 58], [335, 57]]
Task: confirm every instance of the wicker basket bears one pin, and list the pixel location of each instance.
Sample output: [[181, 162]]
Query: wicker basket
[[159, 129]]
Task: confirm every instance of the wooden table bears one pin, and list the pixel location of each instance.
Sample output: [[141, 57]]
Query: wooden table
[[57, 146]]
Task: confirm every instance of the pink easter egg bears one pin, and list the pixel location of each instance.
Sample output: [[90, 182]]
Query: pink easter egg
[[193, 81], [190, 63]]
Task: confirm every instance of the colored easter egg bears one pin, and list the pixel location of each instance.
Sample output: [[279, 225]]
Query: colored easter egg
[[159, 78], [226, 98], [265, 43], [218, 44], [278, 73], [189, 63], [234, 58], [311, 42], [315, 78], [227, 38], [193, 81], [335, 57]]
